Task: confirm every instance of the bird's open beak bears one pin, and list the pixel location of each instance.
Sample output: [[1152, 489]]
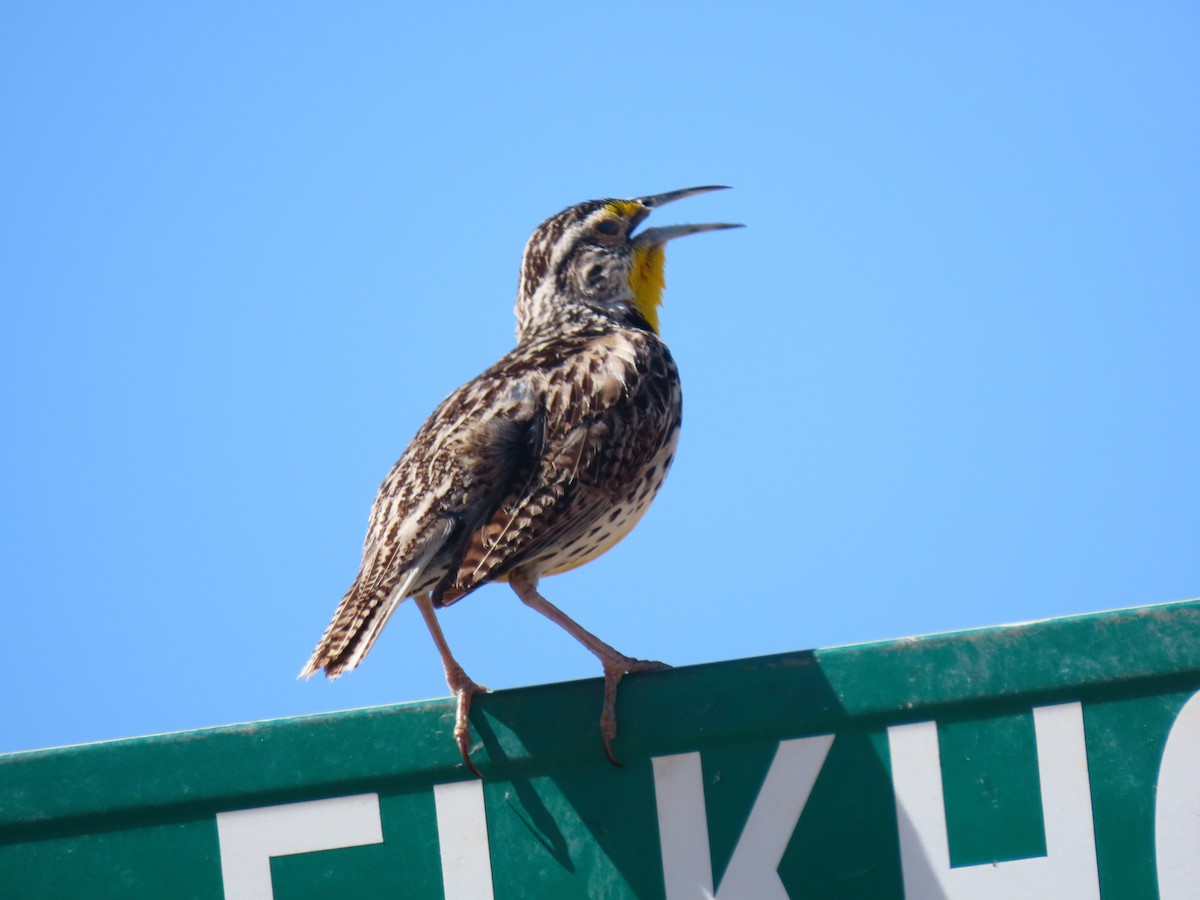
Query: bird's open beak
[[670, 232]]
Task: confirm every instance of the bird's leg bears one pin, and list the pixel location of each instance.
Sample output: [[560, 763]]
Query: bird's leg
[[616, 665], [462, 686]]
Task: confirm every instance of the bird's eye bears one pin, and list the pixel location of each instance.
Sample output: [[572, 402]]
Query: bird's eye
[[608, 226]]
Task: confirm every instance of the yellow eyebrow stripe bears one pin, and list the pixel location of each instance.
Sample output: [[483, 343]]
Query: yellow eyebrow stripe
[[623, 208]]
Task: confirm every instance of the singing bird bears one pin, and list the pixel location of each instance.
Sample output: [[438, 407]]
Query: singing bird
[[541, 463]]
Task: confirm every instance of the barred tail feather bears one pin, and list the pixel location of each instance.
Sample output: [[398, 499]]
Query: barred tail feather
[[355, 626], [361, 615]]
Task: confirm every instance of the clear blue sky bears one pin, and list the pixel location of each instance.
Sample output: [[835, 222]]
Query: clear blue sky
[[947, 376]]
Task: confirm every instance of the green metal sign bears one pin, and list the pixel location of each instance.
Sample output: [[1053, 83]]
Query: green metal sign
[[1059, 760]]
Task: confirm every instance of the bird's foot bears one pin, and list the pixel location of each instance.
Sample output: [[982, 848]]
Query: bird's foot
[[617, 667], [465, 690], [633, 666]]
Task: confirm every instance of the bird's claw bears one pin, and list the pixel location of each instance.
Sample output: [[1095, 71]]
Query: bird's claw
[[615, 668], [465, 690]]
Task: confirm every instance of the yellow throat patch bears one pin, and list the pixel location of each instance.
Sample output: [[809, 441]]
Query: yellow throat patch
[[648, 278]]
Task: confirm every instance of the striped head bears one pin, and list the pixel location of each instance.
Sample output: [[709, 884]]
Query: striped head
[[585, 267]]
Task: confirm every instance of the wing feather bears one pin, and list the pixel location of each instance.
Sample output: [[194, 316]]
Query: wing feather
[[476, 445]]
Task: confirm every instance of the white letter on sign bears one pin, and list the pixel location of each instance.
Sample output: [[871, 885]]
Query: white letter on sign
[[683, 823], [250, 837], [1177, 807], [463, 838], [1066, 872]]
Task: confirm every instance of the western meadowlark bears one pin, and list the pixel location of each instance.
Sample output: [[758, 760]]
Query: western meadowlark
[[544, 461]]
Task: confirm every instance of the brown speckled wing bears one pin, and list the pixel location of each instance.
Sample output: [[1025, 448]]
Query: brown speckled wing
[[471, 452], [609, 425]]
